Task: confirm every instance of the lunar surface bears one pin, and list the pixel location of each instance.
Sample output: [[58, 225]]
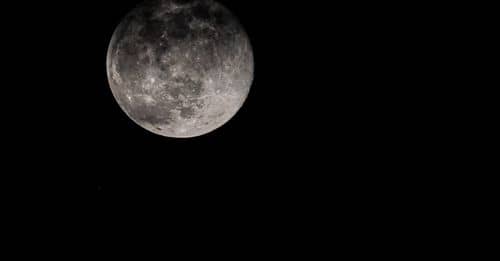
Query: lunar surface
[[180, 68]]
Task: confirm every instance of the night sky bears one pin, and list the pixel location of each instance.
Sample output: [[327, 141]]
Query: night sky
[[320, 117], [352, 137]]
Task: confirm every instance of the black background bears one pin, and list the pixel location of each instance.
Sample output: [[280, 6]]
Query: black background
[[320, 120], [345, 134]]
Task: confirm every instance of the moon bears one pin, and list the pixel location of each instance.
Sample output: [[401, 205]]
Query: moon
[[179, 68]]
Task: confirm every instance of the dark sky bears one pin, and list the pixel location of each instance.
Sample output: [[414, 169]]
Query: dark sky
[[254, 150], [321, 107], [341, 142]]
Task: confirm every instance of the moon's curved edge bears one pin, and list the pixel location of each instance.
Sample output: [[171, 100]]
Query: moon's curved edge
[[153, 130]]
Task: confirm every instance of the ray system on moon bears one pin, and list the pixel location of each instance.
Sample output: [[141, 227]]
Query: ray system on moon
[[180, 68]]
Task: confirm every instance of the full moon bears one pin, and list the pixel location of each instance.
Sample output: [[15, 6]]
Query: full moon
[[180, 68]]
